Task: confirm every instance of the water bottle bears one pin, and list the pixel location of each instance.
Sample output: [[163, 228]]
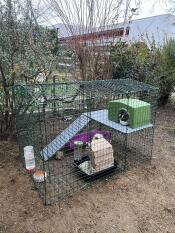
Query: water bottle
[[29, 158]]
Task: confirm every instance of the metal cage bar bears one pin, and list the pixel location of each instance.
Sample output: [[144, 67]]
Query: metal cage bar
[[52, 117]]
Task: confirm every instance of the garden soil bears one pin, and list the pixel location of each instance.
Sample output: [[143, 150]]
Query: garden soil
[[139, 201]]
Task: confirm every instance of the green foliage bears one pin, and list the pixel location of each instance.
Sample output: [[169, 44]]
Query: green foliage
[[53, 39], [154, 66], [122, 61], [135, 61], [26, 49], [167, 77]]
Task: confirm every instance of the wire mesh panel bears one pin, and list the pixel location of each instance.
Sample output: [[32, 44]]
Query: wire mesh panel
[[82, 131]]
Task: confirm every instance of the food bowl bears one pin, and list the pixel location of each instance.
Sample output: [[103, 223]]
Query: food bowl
[[39, 176]]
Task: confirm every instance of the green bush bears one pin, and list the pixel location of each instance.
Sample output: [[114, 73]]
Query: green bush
[[133, 61], [150, 65], [166, 80], [26, 50], [122, 58]]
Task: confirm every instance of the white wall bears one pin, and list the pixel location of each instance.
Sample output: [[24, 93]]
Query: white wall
[[158, 28]]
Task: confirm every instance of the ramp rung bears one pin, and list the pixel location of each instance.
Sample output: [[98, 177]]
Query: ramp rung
[[59, 142]]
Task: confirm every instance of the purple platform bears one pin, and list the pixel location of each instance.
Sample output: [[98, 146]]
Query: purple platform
[[87, 137]]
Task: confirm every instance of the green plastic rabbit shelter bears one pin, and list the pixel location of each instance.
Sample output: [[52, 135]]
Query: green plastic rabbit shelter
[[139, 112]]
